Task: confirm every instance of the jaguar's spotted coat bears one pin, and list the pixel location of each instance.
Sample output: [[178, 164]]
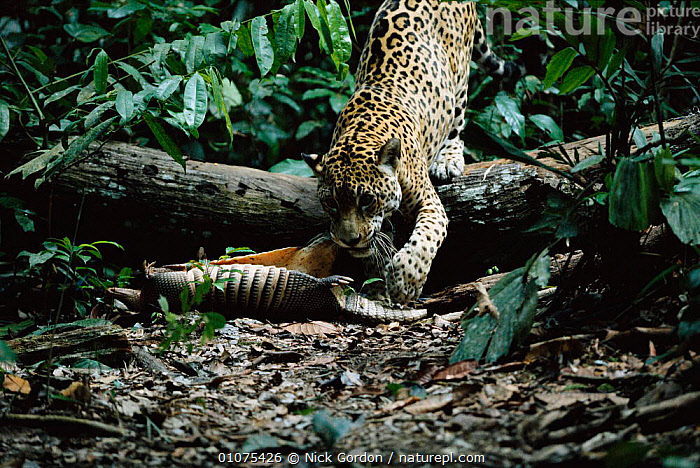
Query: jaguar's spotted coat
[[400, 128]]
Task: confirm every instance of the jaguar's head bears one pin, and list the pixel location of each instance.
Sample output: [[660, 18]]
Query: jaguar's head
[[358, 188]]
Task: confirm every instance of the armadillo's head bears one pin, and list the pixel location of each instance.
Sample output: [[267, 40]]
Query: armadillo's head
[[358, 188]]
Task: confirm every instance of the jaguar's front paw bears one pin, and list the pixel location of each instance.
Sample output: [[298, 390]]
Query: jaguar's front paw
[[404, 278], [449, 163]]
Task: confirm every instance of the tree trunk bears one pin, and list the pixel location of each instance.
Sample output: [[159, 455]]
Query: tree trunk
[[142, 199]]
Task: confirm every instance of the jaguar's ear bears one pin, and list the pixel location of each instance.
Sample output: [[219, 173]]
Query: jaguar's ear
[[314, 161], [389, 154]]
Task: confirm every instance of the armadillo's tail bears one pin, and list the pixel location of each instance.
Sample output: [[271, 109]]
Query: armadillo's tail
[[131, 298]]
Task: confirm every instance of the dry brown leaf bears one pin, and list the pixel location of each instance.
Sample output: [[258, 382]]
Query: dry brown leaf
[[636, 340], [316, 259], [456, 371], [571, 345], [320, 361], [16, 384], [497, 392], [437, 402], [555, 401], [393, 406], [484, 301], [430, 404], [316, 328], [77, 391]]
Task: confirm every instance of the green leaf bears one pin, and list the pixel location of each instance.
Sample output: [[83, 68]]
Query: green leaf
[[558, 65], [4, 120], [168, 87], [588, 162], [633, 202], [83, 323], [25, 222], [60, 94], [285, 37], [99, 72], [322, 8], [606, 48], [194, 54], [134, 73], [657, 47], [317, 93], [215, 44], [232, 96], [340, 35], [212, 321], [515, 297], [143, 26], [510, 110], [38, 163], [7, 354], [682, 210], [264, 54], [664, 169], [85, 33], [299, 18], [307, 127], [244, 41], [218, 94], [78, 146], [164, 140], [575, 78], [163, 303], [516, 300], [615, 62], [195, 100], [548, 125], [94, 116], [293, 166], [325, 41], [231, 28], [15, 328], [640, 139], [124, 103]]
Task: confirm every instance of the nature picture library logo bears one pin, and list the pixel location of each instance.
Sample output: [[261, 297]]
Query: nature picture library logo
[[671, 18]]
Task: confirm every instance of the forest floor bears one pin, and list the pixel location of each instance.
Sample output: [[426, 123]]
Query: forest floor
[[584, 392]]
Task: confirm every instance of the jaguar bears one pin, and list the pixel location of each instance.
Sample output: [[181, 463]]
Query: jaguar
[[399, 132]]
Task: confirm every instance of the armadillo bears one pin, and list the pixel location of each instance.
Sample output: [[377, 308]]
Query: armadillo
[[266, 293]]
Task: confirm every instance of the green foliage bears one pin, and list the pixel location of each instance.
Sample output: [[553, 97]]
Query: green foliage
[[181, 326], [633, 201], [74, 271], [84, 323], [682, 208], [294, 167], [135, 58], [515, 297], [14, 328], [23, 216], [7, 354], [616, 79]]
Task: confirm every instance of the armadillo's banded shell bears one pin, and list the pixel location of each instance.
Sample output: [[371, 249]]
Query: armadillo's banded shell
[[256, 291]]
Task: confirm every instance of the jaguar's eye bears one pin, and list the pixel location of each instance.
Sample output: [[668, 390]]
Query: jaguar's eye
[[366, 200], [331, 206]]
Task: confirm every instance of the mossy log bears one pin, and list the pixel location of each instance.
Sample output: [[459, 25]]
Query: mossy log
[[106, 344]]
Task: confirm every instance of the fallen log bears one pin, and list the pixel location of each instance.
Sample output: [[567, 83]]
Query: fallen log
[[142, 199], [106, 344]]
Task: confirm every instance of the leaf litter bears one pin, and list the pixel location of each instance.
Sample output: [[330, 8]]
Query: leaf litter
[[389, 390]]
